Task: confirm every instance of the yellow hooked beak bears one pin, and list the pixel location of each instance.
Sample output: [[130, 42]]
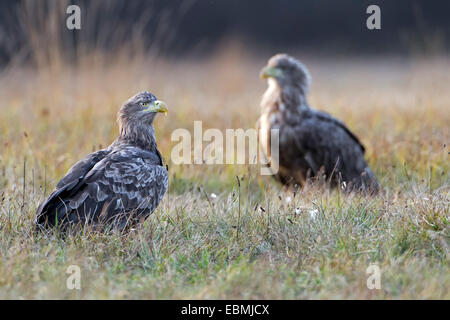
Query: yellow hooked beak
[[157, 106], [269, 72]]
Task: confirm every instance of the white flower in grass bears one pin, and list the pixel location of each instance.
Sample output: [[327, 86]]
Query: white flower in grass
[[288, 199], [298, 210], [213, 195], [313, 213]]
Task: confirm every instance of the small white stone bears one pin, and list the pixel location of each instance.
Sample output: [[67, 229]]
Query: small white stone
[[298, 210]]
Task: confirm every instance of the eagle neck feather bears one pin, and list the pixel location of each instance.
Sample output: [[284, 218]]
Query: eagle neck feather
[[286, 98], [142, 136]]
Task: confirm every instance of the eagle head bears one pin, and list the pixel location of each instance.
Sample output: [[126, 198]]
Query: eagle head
[[140, 109], [136, 117], [287, 71]]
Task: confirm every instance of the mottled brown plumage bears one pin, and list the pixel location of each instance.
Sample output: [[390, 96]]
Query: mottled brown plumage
[[312, 143], [117, 186]]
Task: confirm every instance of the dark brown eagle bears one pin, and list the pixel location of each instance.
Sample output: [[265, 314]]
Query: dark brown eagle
[[117, 186], [311, 143]]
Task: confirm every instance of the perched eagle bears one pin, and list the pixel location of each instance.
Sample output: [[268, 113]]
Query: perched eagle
[[311, 142], [120, 185]]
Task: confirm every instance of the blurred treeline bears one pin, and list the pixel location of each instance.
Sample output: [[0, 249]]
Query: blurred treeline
[[180, 28]]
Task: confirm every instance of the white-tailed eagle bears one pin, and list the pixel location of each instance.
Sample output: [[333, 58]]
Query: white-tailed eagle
[[120, 185], [311, 142]]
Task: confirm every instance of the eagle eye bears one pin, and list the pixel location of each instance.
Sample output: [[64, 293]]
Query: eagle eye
[[144, 103]]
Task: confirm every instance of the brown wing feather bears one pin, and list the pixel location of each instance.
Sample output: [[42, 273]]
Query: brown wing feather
[[127, 181]]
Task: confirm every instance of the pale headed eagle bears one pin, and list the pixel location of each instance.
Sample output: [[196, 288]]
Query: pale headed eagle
[[311, 143], [117, 186]]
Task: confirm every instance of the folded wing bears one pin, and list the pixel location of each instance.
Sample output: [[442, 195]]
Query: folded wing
[[121, 186]]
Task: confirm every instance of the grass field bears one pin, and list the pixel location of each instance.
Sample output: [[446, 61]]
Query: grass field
[[254, 241]]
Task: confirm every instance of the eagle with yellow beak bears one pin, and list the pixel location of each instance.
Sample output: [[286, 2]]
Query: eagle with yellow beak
[[312, 144], [117, 186]]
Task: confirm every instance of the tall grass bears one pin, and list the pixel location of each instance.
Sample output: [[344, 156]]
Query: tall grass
[[253, 240]]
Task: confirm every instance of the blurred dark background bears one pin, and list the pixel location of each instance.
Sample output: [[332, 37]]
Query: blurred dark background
[[182, 28]]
